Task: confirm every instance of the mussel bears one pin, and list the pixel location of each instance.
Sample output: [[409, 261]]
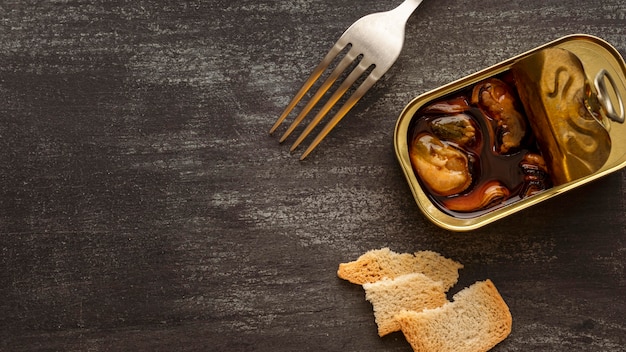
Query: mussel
[[496, 100], [443, 168], [458, 128], [449, 106], [486, 195], [536, 175]]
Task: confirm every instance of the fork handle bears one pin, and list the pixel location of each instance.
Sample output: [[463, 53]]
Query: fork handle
[[406, 9]]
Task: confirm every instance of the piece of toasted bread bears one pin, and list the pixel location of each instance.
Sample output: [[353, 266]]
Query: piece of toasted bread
[[414, 292], [475, 321], [384, 263]]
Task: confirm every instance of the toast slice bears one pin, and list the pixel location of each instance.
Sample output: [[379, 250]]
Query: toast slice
[[414, 292], [475, 321], [382, 263]]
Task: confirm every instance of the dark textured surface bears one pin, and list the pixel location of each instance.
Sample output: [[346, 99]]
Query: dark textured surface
[[143, 206]]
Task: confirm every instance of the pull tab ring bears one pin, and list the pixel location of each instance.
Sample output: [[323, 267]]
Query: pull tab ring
[[605, 100]]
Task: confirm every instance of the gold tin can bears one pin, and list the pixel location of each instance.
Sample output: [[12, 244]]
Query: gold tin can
[[515, 134]]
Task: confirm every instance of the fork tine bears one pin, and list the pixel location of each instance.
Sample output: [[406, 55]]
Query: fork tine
[[354, 98], [342, 66], [349, 81], [317, 72]]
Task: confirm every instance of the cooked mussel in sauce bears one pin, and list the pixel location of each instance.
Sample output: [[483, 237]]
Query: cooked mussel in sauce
[[457, 128], [496, 100], [472, 150], [442, 167]]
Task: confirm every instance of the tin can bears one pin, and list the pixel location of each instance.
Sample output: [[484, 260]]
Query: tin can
[[515, 134]]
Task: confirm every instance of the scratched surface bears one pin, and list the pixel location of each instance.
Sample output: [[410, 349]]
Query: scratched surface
[[144, 207]]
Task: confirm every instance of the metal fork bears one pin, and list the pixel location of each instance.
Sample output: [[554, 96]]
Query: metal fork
[[377, 39]]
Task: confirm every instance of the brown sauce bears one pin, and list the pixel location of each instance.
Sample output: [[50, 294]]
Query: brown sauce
[[486, 164]]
